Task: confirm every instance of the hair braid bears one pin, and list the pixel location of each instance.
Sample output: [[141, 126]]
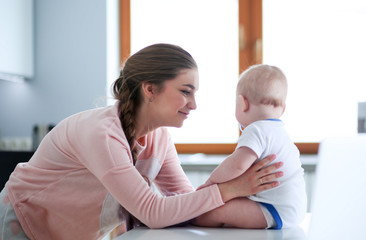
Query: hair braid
[[127, 113]]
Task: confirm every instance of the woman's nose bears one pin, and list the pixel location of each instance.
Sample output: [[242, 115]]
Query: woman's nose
[[192, 104]]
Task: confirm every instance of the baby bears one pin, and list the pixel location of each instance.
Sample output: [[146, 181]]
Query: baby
[[261, 96]]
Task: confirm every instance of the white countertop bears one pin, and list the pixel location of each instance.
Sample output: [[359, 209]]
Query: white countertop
[[192, 233]]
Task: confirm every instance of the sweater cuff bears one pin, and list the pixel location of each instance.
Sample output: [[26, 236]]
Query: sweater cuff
[[217, 194]]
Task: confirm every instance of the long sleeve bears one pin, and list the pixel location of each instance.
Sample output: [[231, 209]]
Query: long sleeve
[[133, 193], [130, 189], [171, 179], [84, 166]]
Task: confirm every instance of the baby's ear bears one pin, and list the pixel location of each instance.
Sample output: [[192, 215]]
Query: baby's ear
[[243, 103], [283, 110]]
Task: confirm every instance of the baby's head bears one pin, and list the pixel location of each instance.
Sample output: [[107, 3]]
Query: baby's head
[[265, 87], [263, 84]]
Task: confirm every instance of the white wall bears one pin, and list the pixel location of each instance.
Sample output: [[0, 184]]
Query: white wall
[[16, 41], [70, 66]]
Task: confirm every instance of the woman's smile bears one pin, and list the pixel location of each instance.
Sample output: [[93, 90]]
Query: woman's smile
[[184, 113]]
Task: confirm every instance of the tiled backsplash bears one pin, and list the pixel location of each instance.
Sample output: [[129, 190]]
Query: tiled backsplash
[[16, 144]]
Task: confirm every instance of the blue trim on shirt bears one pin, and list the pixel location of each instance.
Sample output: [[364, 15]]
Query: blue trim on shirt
[[274, 214], [274, 119]]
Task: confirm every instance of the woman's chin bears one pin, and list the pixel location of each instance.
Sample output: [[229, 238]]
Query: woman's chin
[[177, 124]]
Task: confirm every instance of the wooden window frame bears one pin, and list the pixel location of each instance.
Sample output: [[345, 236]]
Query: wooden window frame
[[250, 52]]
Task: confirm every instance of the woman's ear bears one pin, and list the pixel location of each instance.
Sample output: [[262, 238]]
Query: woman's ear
[[148, 89], [243, 103]]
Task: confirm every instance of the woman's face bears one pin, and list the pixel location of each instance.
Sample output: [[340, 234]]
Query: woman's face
[[176, 99]]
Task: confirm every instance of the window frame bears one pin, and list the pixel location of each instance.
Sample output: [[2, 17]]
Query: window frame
[[250, 52]]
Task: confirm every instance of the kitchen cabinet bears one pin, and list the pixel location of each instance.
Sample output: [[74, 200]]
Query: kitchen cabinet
[[8, 161]]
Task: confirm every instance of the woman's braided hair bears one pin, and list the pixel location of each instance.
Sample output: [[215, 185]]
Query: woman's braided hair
[[154, 64]]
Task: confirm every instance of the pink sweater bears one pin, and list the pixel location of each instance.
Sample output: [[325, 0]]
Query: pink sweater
[[83, 167]]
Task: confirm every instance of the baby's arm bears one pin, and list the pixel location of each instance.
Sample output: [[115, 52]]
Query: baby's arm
[[233, 166]]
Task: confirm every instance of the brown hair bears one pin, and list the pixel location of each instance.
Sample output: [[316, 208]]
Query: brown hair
[[263, 84], [153, 64]]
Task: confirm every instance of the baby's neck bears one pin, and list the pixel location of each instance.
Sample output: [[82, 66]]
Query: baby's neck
[[263, 112]]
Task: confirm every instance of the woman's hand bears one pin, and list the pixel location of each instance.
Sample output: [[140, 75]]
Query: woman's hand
[[257, 178]]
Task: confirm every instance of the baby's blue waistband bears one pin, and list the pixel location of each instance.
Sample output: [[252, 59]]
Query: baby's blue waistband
[[274, 214]]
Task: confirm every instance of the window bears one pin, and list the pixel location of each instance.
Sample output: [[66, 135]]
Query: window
[[320, 45], [208, 30], [249, 33]]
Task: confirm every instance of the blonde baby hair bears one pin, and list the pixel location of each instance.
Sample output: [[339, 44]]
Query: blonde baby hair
[[263, 84]]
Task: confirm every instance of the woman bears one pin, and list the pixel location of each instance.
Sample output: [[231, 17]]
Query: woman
[[95, 161]]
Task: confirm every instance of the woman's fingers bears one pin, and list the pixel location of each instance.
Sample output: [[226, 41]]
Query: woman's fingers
[[268, 186], [262, 163], [269, 181], [259, 177], [266, 174], [269, 169], [270, 177]]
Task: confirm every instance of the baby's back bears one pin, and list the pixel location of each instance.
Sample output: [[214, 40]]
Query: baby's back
[[289, 198]]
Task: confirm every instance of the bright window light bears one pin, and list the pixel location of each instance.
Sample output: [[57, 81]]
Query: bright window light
[[320, 46], [208, 29]]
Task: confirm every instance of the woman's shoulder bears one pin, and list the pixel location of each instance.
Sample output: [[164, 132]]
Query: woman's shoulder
[[96, 116], [92, 124]]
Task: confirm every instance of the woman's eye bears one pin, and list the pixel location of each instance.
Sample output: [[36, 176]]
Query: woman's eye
[[185, 92]]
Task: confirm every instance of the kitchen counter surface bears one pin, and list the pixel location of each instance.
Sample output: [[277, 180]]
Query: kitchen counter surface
[[192, 233]]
